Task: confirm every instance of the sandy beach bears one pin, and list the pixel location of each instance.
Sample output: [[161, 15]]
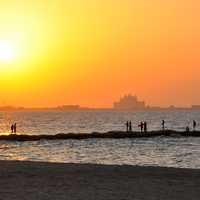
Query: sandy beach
[[34, 180]]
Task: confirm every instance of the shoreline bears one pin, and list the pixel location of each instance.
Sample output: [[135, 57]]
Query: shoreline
[[111, 135], [40, 180]]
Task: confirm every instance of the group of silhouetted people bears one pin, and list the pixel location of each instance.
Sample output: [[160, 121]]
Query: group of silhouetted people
[[128, 126], [13, 128], [194, 124], [143, 126]]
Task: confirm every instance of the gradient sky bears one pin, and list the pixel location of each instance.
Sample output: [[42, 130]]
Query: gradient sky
[[89, 52]]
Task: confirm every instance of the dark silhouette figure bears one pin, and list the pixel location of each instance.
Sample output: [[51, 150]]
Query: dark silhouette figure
[[145, 127], [130, 126], [163, 125], [127, 126], [141, 125], [12, 128], [15, 128], [194, 125], [187, 129]]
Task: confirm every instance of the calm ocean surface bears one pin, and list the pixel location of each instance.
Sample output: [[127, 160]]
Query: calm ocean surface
[[160, 151]]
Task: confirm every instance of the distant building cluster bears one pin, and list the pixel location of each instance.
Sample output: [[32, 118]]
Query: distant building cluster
[[129, 102], [125, 103]]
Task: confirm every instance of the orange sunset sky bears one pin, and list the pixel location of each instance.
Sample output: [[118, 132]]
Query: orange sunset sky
[[89, 52]]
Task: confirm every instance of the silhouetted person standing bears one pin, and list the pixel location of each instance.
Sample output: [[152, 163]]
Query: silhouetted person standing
[[194, 125], [127, 126], [187, 129], [15, 128], [12, 128], [145, 127], [141, 125], [163, 125], [130, 126]]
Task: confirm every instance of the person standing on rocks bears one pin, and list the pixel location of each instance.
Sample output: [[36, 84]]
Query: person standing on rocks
[[141, 125], [127, 126], [145, 127], [15, 128], [130, 126], [194, 125], [163, 125]]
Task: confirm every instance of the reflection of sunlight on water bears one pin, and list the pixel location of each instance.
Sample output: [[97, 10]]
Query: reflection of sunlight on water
[[12, 156], [5, 133], [171, 152], [9, 133]]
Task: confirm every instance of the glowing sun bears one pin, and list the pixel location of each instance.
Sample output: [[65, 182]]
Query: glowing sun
[[7, 52]]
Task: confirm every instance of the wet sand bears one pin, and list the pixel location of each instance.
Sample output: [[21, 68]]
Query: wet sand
[[46, 181]]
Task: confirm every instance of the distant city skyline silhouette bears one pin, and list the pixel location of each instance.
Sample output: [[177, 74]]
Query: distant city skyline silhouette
[[128, 102]]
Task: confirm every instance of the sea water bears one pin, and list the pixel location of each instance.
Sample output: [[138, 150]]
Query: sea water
[[158, 151]]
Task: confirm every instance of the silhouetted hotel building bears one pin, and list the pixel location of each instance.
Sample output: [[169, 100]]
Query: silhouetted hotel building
[[129, 102]]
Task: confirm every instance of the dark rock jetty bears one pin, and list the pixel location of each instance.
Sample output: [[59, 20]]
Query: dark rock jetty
[[111, 134]]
